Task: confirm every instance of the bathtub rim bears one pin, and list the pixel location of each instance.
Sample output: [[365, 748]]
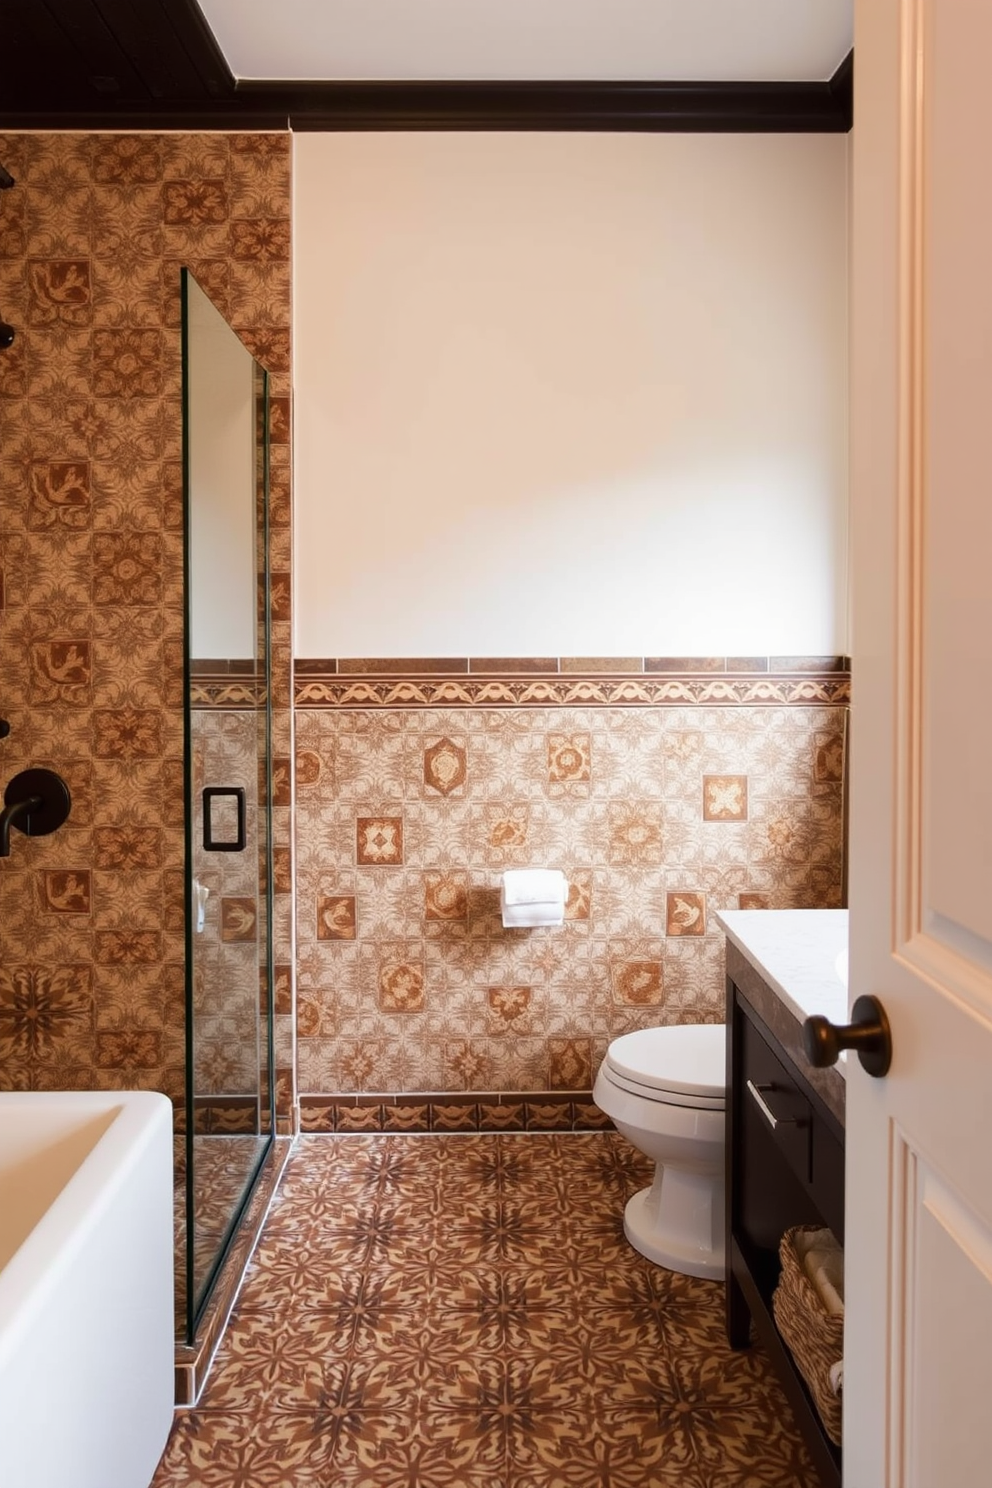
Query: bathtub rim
[[66, 1225]]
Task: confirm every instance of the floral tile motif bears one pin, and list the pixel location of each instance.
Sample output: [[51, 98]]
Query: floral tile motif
[[401, 987], [725, 798], [446, 896], [508, 1008], [686, 914], [636, 835], [445, 767], [379, 841], [639, 983], [40, 1008], [569, 759], [308, 767], [828, 760], [570, 1063], [519, 1343]]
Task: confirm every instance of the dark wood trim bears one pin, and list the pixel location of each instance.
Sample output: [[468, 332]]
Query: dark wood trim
[[154, 64], [598, 106], [842, 82], [755, 108]]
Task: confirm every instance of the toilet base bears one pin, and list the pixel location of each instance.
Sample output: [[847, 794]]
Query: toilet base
[[685, 1232]]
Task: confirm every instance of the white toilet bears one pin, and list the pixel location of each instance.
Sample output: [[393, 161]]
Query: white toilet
[[664, 1089]]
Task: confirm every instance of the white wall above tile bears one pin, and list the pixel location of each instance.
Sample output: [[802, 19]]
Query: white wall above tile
[[570, 394]]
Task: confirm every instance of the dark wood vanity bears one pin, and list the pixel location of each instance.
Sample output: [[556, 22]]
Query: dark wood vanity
[[785, 1166]]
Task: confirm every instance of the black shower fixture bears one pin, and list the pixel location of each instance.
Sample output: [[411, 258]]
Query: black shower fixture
[[6, 331]]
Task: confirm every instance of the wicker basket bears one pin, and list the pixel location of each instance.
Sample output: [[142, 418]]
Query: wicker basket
[[814, 1336]]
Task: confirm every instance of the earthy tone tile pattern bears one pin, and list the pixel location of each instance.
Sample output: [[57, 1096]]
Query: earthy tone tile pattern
[[541, 684], [659, 817], [458, 1311], [485, 1111], [227, 952], [91, 625], [91, 600], [193, 1359], [224, 1165]]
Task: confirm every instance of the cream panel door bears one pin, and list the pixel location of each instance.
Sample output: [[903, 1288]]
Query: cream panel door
[[918, 1341]]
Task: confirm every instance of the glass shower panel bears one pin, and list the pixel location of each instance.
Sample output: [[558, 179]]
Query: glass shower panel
[[229, 1103]]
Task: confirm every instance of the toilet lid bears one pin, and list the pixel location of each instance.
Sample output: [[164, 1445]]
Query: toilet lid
[[687, 1059]]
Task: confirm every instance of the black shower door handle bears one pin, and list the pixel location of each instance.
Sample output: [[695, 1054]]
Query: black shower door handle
[[211, 843]]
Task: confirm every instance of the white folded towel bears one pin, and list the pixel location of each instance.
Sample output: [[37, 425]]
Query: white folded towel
[[533, 886], [523, 916]]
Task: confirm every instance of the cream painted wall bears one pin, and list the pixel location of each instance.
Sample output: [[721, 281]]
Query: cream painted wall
[[221, 432], [570, 394]]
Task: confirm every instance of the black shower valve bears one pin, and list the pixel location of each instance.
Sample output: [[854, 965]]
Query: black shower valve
[[7, 334]]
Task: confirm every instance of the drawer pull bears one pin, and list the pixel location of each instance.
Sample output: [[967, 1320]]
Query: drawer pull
[[765, 1109]]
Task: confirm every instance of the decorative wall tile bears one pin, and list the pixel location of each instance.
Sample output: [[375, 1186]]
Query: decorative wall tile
[[379, 841], [446, 896], [401, 987], [59, 290], [578, 902], [570, 1064], [686, 914], [828, 761], [239, 918], [66, 891], [635, 835], [60, 494], [127, 733], [445, 767], [508, 1009], [569, 759], [93, 238], [639, 983], [336, 917], [492, 1010], [725, 798], [40, 1007]]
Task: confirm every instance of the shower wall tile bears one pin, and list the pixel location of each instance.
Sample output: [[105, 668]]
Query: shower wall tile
[[664, 799], [92, 239]]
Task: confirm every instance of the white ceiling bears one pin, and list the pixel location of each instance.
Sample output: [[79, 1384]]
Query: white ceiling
[[536, 40]]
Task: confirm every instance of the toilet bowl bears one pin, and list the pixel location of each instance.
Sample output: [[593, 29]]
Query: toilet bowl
[[665, 1089]]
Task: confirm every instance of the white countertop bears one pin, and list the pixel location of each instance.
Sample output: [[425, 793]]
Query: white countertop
[[800, 953]]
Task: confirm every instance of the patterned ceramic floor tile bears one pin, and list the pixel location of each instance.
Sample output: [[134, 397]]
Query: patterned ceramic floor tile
[[464, 1312]]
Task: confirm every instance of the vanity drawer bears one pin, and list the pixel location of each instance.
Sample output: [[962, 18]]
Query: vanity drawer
[[771, 1100]]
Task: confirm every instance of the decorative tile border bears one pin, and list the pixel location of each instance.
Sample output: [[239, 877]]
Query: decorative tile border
[[226, 693], [649, 689], [462, 1111]]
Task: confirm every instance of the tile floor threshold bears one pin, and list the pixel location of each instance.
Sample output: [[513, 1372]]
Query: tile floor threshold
[[464, 1312]]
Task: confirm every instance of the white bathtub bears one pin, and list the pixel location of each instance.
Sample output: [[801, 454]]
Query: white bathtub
[[87, 1346]]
